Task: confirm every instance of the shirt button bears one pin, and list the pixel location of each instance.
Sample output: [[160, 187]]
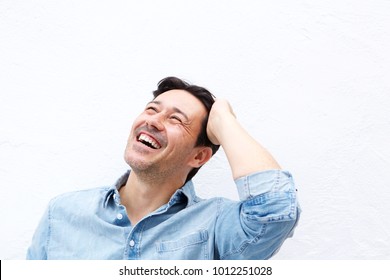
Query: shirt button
[[119, 216], [132, 243]]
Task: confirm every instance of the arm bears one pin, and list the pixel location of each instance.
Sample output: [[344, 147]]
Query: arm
[[244, 154], [268, 212]]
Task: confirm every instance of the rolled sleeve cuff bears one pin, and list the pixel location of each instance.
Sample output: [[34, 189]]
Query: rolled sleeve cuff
[[263, 182]]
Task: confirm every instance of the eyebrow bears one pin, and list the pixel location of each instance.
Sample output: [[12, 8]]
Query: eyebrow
[[175, 109]]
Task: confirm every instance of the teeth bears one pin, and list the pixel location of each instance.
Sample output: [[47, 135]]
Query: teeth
[[145, 138]]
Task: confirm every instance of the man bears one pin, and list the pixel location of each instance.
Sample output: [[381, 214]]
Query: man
[[152, 212]]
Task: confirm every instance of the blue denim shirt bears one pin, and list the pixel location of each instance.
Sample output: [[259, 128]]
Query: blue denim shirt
[[92, 224]]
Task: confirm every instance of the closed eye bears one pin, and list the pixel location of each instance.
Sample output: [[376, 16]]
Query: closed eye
[[176, 118], [151, 108]]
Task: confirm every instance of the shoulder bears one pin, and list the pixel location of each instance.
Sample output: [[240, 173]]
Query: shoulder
[[87, 198]]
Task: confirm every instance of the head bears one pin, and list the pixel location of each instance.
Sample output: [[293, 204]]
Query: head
[[168, 140], [204, 96]]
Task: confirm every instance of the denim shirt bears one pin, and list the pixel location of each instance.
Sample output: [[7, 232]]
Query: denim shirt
[[93, 224]]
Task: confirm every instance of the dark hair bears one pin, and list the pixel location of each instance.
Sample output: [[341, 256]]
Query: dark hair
[[202, 94]]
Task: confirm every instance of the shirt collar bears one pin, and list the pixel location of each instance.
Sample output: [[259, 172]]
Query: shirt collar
[[187, 190], [113, 191]]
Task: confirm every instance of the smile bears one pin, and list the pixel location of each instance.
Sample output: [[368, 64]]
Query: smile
[[148, 141]]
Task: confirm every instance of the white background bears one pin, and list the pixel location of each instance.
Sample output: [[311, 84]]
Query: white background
[[308, 79]]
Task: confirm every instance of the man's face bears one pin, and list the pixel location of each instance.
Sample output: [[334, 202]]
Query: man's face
[[162, 139]]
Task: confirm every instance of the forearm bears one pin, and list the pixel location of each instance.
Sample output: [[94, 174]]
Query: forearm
[[244, 153]]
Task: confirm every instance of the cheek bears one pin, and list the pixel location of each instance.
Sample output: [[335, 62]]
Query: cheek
[[138, 120], [181, 139], [132, 132], [137, 123]]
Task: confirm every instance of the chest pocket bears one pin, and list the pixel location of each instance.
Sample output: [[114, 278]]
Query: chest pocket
[[189, 247]]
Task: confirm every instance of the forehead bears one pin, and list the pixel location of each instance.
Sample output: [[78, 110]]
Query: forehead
[[182, 100]]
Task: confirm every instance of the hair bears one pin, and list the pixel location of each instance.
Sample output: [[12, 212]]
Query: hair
[[204, 96]]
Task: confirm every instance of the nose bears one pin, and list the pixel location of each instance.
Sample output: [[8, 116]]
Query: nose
[[155, 121]]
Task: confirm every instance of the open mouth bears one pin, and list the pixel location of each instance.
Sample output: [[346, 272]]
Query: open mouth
[[148, 141]]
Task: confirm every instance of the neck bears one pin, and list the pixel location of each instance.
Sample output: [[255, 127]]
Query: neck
[[141, 195]]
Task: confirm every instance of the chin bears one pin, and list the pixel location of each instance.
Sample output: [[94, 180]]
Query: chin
[[135, 163]]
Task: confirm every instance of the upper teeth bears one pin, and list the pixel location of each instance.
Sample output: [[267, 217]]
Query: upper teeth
[[149, 140]]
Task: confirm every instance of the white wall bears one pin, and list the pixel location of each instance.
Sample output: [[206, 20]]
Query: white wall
[[309, 79]]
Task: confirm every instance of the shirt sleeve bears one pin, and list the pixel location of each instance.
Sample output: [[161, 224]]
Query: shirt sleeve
[[257, 226], [38, 247]]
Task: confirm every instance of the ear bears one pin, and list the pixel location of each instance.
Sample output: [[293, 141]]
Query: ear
[[202, 155]]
